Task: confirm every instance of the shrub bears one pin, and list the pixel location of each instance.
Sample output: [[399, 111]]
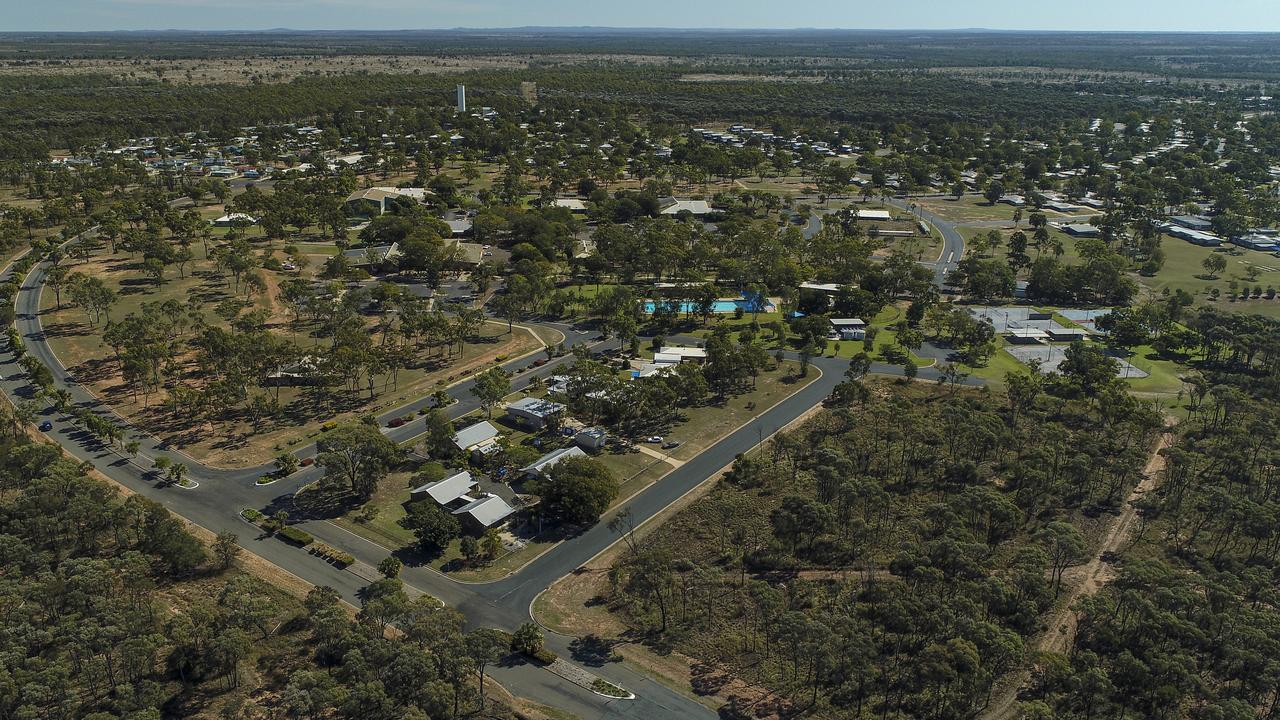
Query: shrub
[[607, 688], [332, 554], [296, 536], [545, 656], [252, 515], [265, 480], [329, 425], [527, 639]]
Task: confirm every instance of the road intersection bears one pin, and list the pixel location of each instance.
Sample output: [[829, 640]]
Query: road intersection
[[220, 494]]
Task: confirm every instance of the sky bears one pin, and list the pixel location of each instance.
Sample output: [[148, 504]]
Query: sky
[[1141, 15]]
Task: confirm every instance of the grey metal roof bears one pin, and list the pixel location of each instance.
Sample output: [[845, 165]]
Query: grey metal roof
[[553, 457], [536, 407], [474, 435], [448, 489], [487, 510]]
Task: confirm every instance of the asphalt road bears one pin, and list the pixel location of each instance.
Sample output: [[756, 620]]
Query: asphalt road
[[952, 240], [222, 493]]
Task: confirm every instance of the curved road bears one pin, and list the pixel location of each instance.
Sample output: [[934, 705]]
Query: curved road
[[221, 493], [952, 240]]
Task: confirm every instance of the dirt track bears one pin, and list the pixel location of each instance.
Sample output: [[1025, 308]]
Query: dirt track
[[1079, 581]]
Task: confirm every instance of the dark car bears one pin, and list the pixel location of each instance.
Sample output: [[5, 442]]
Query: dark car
[[46, 426], [670, 444]]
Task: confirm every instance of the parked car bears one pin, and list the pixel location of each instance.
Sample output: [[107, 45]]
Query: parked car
[[671, 445], [653, 439], [307, 462], [46, 426]]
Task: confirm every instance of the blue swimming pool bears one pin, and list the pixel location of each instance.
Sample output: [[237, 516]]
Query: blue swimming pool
[[719, 306]]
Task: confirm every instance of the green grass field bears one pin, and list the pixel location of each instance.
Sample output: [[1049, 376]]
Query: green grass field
[[968, 209], [1183, 269], [379, 518]]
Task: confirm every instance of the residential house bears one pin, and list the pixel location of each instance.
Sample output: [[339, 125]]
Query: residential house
[[478, 440], [483, 513], [592, 438], [540, 466], [460, 227], [672, 206], [534, 413], [306, 371], [447, 491], [233, 219]]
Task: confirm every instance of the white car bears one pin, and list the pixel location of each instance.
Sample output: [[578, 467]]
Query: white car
[[653, 439]]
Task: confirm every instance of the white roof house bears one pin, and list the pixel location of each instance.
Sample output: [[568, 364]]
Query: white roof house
[[574, 205], [479, 434], [486, 511], [447, 490], [828, 288], [848, 322], [874, 215], [672, 206], [379, 196], [231, 218], [548, 461], [678, 354]]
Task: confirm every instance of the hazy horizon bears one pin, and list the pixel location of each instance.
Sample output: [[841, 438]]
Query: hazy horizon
[[672, 15]]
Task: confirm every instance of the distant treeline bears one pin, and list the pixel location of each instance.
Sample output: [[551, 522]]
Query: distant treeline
[[1185, 55], [42, 112]]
